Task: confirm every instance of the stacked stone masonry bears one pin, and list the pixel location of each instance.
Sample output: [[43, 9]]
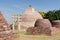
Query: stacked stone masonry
[[42, 26], [5, 32]]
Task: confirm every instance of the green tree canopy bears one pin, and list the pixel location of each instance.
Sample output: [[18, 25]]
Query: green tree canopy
[[41, 13], [53, 15]]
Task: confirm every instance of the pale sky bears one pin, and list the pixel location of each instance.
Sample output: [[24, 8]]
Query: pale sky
[[9, 7]]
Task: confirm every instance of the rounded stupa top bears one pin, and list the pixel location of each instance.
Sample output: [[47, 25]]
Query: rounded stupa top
[[30, 5], [30, 12], [29, 9]]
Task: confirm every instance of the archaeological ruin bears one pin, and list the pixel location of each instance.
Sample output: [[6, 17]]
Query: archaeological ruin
[[56, 24], [25, 19], [33, 23], [5, 32], [42, 26]]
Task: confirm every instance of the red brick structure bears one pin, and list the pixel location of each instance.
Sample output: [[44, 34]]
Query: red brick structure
[[5, 32], [3, 24]]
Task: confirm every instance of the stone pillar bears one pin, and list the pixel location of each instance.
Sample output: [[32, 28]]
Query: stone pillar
[[19, 26], [13, 27], [13, 23], [18, 22]]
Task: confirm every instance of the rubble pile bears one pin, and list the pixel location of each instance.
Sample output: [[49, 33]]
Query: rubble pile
[[5, 31], [42, 26], [8, 35]]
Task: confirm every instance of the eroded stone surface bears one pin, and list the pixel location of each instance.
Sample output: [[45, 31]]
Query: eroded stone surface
[[8, 35], [3, 24], [26, 19], [42, 26], [5, 32], [56, 24]]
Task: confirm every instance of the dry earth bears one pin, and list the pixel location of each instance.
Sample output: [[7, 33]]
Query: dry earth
[[39, 37]]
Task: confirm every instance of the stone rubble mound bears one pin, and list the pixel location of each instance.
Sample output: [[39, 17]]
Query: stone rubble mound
[[8, 35], [42, 26], [5, 31]]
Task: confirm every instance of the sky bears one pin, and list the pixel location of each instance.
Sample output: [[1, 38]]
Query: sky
[[9, 7]]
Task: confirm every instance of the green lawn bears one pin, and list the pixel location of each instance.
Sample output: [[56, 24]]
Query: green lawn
[[37, 37]]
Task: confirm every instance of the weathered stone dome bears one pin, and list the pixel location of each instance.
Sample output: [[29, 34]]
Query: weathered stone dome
[[42, 23], [27, 18], [42, 26], [30, 15]]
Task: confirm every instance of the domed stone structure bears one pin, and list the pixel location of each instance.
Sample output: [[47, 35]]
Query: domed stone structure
[[27, 18], [42, 26], [42, 23]]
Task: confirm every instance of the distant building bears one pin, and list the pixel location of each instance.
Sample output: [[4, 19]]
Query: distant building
[[26, 19]]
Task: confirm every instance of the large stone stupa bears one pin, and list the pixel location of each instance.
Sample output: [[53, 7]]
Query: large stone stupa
[[27, 18]]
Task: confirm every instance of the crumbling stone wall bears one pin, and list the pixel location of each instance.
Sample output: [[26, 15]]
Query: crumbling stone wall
[[56, 24], [5, 32], [8, 35]]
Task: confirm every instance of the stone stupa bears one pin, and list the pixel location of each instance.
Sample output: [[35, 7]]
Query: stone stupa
[[26, 19], [29, 16]]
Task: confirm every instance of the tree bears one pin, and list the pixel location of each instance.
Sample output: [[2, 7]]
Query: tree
[[57, 14], [41, 13], [53, 15]]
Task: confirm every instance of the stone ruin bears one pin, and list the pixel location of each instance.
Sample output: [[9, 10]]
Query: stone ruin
[[56, 24], [3, 23], [25, 19], [5, 32], [42, 26]]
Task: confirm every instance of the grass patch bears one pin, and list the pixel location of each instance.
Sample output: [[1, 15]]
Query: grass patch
[[21, 32]]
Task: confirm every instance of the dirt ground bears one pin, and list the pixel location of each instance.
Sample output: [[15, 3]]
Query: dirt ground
[[39, 37]]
